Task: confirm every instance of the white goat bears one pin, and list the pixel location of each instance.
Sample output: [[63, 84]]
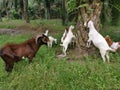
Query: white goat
[[64, 35], [68, 39], [52, 39], [98, 40]]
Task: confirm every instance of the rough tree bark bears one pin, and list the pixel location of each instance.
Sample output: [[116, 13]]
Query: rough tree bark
[[92, 11]]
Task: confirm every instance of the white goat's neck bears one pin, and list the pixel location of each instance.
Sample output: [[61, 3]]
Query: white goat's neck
[[91, 27], [70, 30]]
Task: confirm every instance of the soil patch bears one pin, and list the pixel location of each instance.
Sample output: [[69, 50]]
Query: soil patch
[[26, 29]]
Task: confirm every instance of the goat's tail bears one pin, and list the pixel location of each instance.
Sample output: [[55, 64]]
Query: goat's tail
[[110, 49]]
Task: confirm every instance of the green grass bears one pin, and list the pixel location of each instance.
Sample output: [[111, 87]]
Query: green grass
[[11, 23], [51, 24], [46, 72]]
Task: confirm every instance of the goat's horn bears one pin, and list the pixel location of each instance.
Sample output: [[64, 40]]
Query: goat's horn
[[37, 38]]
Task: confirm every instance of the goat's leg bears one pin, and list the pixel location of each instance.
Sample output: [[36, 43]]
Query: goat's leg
[[9, 66], [30, 57], [73, 41], [88, 42], [9, 63], [50, 44], [107, 56], [103, 53], [65, 49]]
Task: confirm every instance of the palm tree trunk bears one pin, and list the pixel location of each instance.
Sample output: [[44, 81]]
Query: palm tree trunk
[[16, 5], [26, 16], [92, 11], [9, 6], [0, 16], [47, 9], [8, 14], [63, 12], [21, 9]]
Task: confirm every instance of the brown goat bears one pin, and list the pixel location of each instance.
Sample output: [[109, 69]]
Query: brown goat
[[11, 53]]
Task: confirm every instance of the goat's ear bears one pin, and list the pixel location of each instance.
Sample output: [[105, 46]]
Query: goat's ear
[[43, 35], [88, 21], [66, 29]]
